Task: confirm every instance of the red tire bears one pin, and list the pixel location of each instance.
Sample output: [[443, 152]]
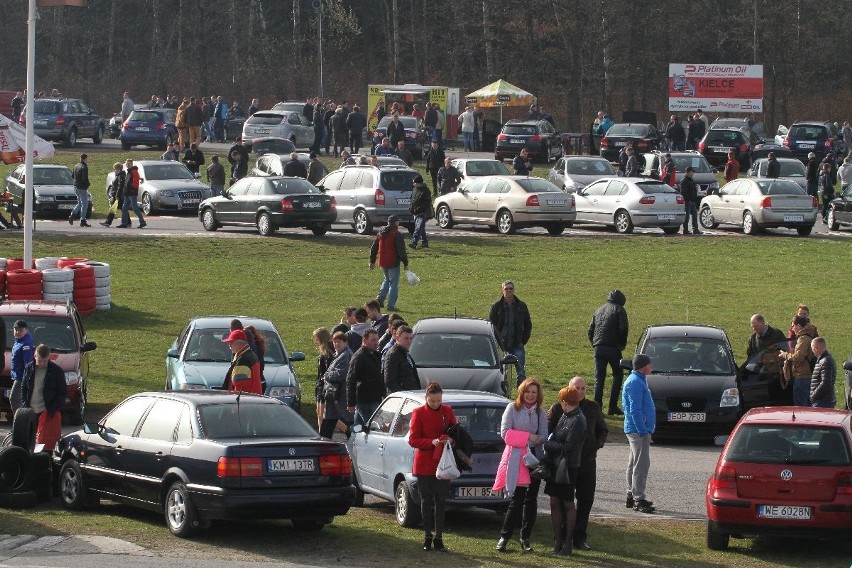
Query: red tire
[[15, 264], [85, 306], [84, 293], [84, 275], [25, 289], [2, 282], [67, 261], [10, 296], [23, 276]]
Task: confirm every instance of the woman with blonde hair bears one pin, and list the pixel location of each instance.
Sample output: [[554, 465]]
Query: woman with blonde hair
[[322, 340]]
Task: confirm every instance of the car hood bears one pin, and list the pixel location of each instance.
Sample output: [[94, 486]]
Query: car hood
[[67, 361], [486, 380], [175, 184], [212, 375], [54, 189], [709, 387]]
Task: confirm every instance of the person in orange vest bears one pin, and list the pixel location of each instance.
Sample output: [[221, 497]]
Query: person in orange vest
[[389, 250]]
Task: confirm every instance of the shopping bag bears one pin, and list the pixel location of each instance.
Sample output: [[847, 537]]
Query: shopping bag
[[447, 468], [413, 279], [530, 459]]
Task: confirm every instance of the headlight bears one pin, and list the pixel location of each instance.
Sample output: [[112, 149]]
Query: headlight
[[730, 397], [167, 193], [281, 392], [192, 387], [72, 378]]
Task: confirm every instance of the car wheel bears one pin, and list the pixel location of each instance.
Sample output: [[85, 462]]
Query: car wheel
[[623, 222], [406, 510], [147, 206], [24, 429], [716, 540], [705, 217], [555, 229], [181, 516], [362, 223], [671, 230], [72, 489], [99, 135], [444, 217], [72, 138], [749, 226], [208, 220], [306, 525], [19, 500], [320, 231], [15, 467], [359, 493], [804, 231], [832, 223], [505, 222], [77, 417], [125, 145], [42, 476], [265, 226]]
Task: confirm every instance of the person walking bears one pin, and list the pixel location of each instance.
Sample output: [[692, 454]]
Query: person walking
[[81, 188], [398, 368], [823, 377], [523, 429], [115, 193], [194, 116], [449, 177], [435, 158], [244, 373], [421, 208], [732, 167], [427, 435], [365, 387], [23, 350], [639, 423], [334, 387], [512, 324], [43, 390], [467, 120], [608, 335], [216, 176], [389, 250], [689, 192], [180, 124], [131, 195]]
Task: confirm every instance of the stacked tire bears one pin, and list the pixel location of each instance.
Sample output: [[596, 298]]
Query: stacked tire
[[27, 477], [84, 288], [58, 284], [2, 283], [103, 284], [15, 264], [23, 284], [46, 262]]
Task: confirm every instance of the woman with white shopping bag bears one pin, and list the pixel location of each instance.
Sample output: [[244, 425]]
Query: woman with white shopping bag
[[428, 435]]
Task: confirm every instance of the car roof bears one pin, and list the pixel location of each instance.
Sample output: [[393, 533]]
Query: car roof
[[218, 322], [458, 396], [154, 162], [34, 307], [465, 160], [798, 415], [379, 167], [280, 112], [476, 326], [812, 122], [49, 167], [209, 397], [780, 159], [575, 158], [685, 330], [726, 128]]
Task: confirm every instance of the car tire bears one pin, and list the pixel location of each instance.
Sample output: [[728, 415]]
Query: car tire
[[804, 231], [359, 493], [717, 540], [7, 440], [19, 500], [832, 223], [555, 229], [24, 429], [406, 510], [99, 135], [444, 217], [362, 222], [705, 217], [71, 141], [15, 469], [42, 476], [505, 222], [208, 220], [623, 222], [181, 517], [73, 492], [320, 231], [125, 145], [309, 525], [147, 204], [265, 226], [749, 226], [671, 230]]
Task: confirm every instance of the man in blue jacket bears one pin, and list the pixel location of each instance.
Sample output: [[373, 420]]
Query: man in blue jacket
[[22, 355], [639, 424]]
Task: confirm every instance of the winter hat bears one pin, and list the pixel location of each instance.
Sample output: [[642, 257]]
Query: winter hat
[[640, 361]]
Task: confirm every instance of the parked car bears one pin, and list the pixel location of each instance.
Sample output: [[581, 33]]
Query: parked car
[[791, 169], [273, 164], [114, 126], [784, 471], [760, 203], [763, 150], [53, 189], [269, 203], [149, 127], [386, 160], [167, 186], [471, 168], [507, 203], [290, 106], [806, 136], [840, 211], [281, 124], [59, 326], [203, 456], [458, 353], [539, 137], [198, 360], [270, 145], [645, 138], [573, 173], [415, 137], [718, 142], [625, 203], [366, 195], [704, 176], [382, 459], [65, 121]]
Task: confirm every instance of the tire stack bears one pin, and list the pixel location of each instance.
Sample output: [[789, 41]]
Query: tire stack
[[46, 262], [103, 284], [58, 284], [2, 280], [23, 284], [27, 477], [15, 263], [84, 288]]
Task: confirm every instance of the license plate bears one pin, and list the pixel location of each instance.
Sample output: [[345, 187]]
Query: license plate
[[142, 129], [191, 201], [261, 131], [476, 493], [40, 122], [291, 465], [807, 145], [313, 205], [560, 202], [404, 201], [618, 144], [794, 218], [687, 417], [665, 217], [517, 140], [794, 512], [65, 206], [721, 150]]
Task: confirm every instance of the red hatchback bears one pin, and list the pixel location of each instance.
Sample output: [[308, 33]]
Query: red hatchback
[[784, 470]]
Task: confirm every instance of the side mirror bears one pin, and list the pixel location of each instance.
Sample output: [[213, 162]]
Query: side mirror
[[358, 428], [297, 356], [626, 364], [196, 175], [91, 428], [720, 440], [173, 353], [227, 195], [88, 346]]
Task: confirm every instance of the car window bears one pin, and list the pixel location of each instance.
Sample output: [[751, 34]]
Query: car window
[[743, 188], [145, 116], [793, 168], [171, 170], [124, 418], [780, 187], [399, 180], [486, 168], [242, 187], [52, 176], [82, 107], [72, 107], [476, 186], [46, 107], [304, 120], [273, 147], [265, 118], [689, 356], [454, 350], [616, 188], [294, 119], [332, 181], [650, 187], [597, 188], [161, 422], [205, 346], [559, 166], [584, 167], [497, 186], [537, 185], [403, 423], [805, 131], [366, 180], [383, 417], [55, 332], [292, 186], [350, 180], [789, 444], [730, 188], [520, 129], [481, 422], [252, 419], [184, 431], [727, 137], [263, 164], [697, 163], [633, 130]]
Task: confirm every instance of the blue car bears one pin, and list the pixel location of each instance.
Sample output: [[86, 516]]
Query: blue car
[[149, 127], [199, 360], [415, 139]]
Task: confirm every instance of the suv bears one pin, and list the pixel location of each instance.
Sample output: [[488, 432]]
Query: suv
[[538, 136], [57, 325], [282, 124], [368, 195], [808, 136], [719, 141], [645, 138], [704, 177], [65, 120]]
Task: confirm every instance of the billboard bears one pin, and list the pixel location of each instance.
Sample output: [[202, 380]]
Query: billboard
[[716, 87]]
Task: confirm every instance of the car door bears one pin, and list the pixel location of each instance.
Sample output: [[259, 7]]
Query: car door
[[294, 125], [556, 175], [723, 206], [612, 200], [307, 131], [228, 208], [174, 358], [843, 206], [15, 183], [463, 203], [490, 200], [369, 448], [399, 455], [87, 119], [759, 379], [262, 194], [587, 201]]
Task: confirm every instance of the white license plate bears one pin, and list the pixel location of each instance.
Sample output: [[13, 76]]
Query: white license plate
[[618, 144], [142, 129], [261, 131], [665, 217], [291, 465], [313, 205], [476, 493], [40, 122], [191, 201], [65, 206], [560, 202], [794, 512], [794, 218], [721, 150], [807, 145], [404, 201], [517, 140], [687, 417]]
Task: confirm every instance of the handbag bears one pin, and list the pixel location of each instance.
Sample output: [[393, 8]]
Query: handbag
[[330, 391], [530, 460], [542, 472], [447, 468], [413, 279]]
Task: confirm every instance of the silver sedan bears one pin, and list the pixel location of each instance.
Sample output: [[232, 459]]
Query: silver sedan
[[791, 168], [472, 168], [625, 203], [573, 173]]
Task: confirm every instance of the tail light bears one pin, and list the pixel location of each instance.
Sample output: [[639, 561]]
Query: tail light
[[786, 141], [379, 196], [335, 464], [286, 204], [239, 467], [844, 483], [767, 203], [532, 201], [744, 148], [126, 124], [702, 146], [60, 120], [604, 142], [502, 136], [648, 200], [641, 144], [535, 138], [814, 202], [333, 204], [725, 478], [160, 126], [680, 200]]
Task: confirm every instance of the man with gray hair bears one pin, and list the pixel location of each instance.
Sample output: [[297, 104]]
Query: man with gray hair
[[763, 336], [824, 376], [295, 168]]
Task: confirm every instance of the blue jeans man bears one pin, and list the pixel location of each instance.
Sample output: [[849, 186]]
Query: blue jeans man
[[390, 286], [82, 208], [419, 231], [691, 210], [130, 203], [468, 141], [521, 365]]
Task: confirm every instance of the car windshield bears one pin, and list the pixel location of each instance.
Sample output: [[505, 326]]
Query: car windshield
[[486, 168], [266, 118], [723, 137], [408, 122], [57, 332], [783, 444], [52, 176], [46, 107], [280, 146], [458, 350], [482, 423], [249, 419], [780, 187], [520, 129], [399, 180], [729, 122], [805, 131], [697, 163], [205, 346], [793, 168], [146, 116], [293, 186], [634, 130], [537, 185], [295, 107], [583, 167], [654, 187], [172, 170], [689, 355]]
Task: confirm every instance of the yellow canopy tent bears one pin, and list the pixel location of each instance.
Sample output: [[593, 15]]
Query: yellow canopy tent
[[500, 93]]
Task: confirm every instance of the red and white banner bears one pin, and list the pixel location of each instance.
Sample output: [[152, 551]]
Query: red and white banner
[[13, 139], [716, 87]]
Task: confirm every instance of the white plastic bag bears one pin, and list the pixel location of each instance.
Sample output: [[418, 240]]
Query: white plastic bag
[[447, 468], [413, 279]]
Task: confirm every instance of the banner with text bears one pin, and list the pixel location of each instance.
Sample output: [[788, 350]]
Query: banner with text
[[716, 88]]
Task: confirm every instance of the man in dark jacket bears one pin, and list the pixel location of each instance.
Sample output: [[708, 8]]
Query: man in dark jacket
[[81, 188], [773, 168], [695, 132], [365, 387], [399, 369], [194, 116], [115, 194], [193, 158], [389, 250], [295, 168], [43, 390], [421, 208], [238, 157], [512, 324], [823, 377], [449, 177], [434, 162], [608, 335], [430, 121], [355, 123], [319, 127], [396, 131], [764, 336], [812, 174], [689, 192], [676, 135]]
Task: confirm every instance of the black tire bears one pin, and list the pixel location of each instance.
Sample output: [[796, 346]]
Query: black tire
[[208, 220], [99, 135], [147, 205], [320, 231], [804, 231], [125, 145], [7, 440], [623, 222], [362, 222], [832, 223], [42, 476], [670, 230], [717, 540], [19, 500], [15, 469], [705, 217], [555, 229], [406, 510], [505, 222], [71, 141], [309, 525], [444, 217], [749, 225], [181, 517], [265, 226], [24, 429], [72, 488]]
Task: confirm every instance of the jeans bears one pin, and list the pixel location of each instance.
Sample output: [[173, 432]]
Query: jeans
[[390, 286], [521, 365], [608, 355], [467, 137], [130, 203], [354, 142], [522, 510], [638, 464], [802, 391], [15, 396], [433, 498], [82, 208], [420, 231], [691, 210], [363, 412], [439, 136]]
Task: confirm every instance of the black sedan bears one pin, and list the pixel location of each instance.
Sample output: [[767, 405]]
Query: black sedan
[[203, 456], [270, 203], [644, 137], [540, 139]]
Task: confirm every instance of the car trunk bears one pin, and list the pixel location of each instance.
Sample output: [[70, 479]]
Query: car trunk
[[767, 481], [791, 202], [285, 463]]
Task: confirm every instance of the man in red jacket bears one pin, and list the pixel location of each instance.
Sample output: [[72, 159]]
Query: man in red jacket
[[389, 249], [244, 373]]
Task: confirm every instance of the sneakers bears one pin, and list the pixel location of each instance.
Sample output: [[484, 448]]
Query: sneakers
[[123, 226], [105, 224], [71, 220], [630, 503], [142, 225], [644, 506], [84, 224]]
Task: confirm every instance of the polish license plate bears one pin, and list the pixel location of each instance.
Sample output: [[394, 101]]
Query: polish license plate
[[687, 417], [518, 140], [807, 145], [476, 493], [142, 129], [618, 144], [557, 202], [665, 217], [794, 512], [288, 466], [794, 218], [261, 131], [191, 201], [313, 204], [721, 150], [65, 206], [41, 122], [404, 201]]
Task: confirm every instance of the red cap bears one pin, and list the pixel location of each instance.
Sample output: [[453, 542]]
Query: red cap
[[235, 335]]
